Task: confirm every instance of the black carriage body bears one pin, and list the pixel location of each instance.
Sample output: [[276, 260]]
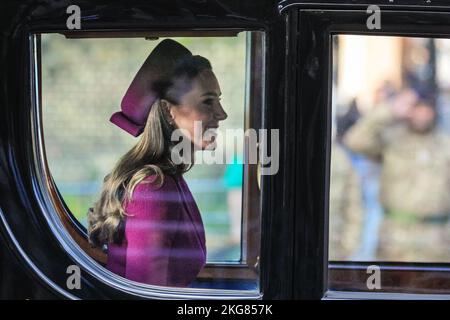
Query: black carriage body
[[297, 93], [33, 263]]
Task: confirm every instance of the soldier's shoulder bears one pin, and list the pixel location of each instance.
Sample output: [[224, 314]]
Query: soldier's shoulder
[[442, 144], [340, 159], [395, 132], [443, 137]]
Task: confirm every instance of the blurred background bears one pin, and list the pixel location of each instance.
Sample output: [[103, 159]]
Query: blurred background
[[390, 162], [83, 81]]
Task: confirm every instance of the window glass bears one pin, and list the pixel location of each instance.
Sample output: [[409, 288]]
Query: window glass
[[390, 159], [186, 220], [389, 207]]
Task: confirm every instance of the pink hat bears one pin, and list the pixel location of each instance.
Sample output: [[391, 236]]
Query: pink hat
[[141, 94]]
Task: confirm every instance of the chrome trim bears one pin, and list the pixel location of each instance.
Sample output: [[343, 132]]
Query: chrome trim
[[392, 266], [41, 186], [284, 5], [343, 295], [30, 263]]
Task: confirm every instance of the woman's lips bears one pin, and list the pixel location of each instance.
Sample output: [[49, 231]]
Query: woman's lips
[[212, 128]]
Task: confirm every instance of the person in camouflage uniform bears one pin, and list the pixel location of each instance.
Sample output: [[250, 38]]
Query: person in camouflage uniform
[[415, 177], [346, 211]]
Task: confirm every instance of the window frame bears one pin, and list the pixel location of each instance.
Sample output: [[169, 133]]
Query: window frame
[[310, 30], [248, 267], [73, 236]]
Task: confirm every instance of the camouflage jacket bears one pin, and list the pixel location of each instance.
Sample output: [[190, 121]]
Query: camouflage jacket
[[415, 172], [346, 211]]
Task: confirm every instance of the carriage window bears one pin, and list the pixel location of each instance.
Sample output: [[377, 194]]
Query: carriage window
[[144, 141], [389, 206]]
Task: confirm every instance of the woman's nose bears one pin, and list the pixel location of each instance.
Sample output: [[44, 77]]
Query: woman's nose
[[220, 114]]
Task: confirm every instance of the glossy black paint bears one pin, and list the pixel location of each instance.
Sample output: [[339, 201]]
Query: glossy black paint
[[410, 5], [294, 254], [33, 264], [308, 100]]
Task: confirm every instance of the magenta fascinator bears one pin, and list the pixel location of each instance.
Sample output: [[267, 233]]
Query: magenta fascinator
[[141, 94]]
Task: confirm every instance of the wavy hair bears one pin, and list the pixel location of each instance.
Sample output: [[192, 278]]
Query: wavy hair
[[150, 156]]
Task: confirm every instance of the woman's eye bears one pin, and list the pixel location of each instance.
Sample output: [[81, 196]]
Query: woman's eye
[[210, 102]]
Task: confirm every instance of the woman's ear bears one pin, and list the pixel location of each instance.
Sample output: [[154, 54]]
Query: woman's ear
[[168, 110]]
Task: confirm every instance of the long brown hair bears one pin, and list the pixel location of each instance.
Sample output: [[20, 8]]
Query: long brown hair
[[150, 156]]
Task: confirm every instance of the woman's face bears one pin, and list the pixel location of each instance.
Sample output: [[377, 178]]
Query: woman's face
[[200, 111]]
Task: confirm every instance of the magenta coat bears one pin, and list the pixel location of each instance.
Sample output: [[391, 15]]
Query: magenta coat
[[164, 236]]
